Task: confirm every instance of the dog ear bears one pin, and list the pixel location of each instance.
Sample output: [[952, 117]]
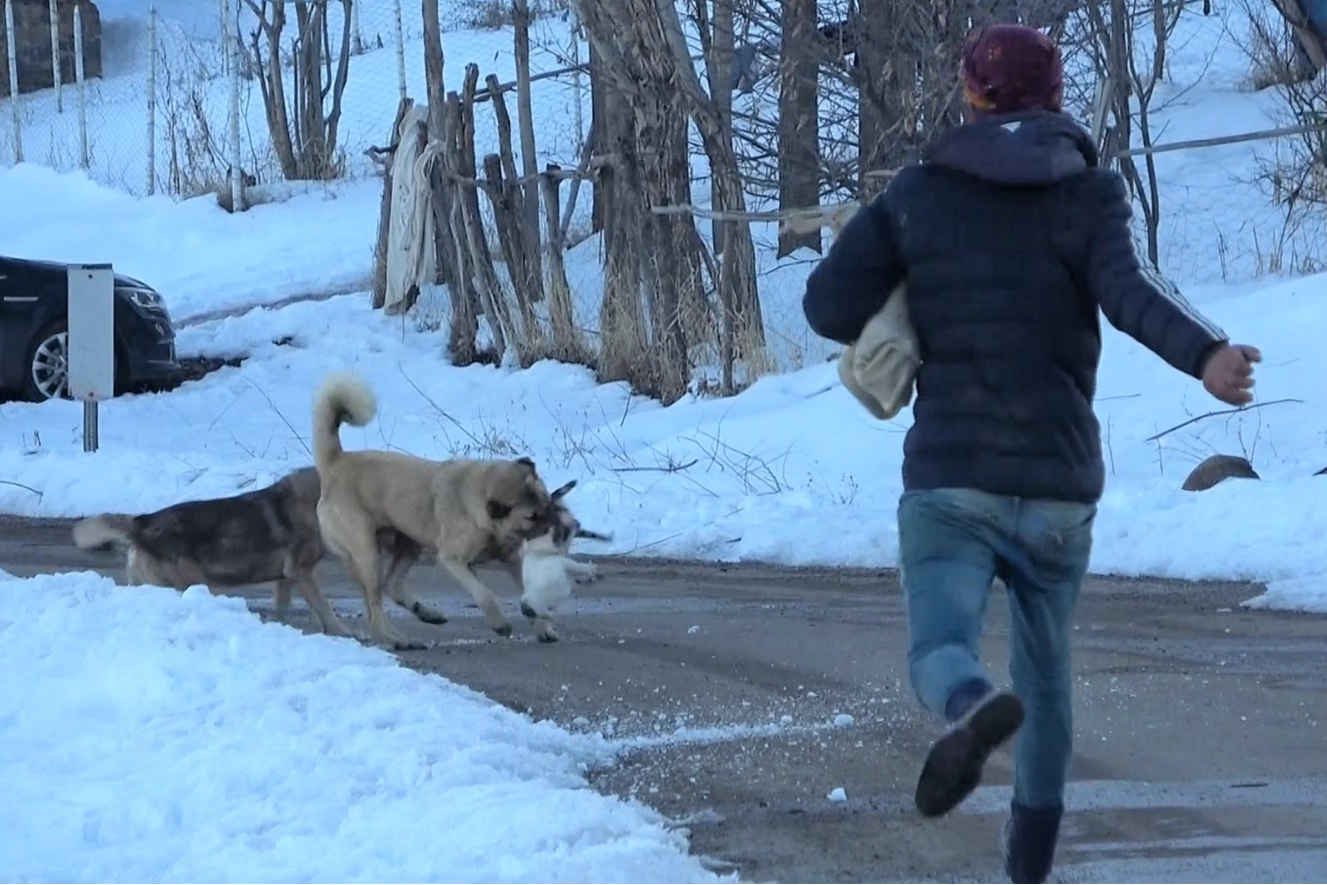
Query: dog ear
[[526, 462], [497, 510], [563, 489]]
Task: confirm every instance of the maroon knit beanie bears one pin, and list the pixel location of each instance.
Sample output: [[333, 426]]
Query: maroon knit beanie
[[1008, 68]]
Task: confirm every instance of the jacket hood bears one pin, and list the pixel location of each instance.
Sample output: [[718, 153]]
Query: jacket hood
[[1024, 148]]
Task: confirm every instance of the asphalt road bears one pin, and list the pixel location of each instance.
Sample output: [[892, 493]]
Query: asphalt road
[[742, 696]]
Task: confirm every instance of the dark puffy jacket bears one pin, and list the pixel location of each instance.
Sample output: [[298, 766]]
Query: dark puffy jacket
[[1010, 238]]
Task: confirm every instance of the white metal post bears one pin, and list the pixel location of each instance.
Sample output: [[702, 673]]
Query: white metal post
[[81, 96], [55, 56], [400, 49], [232, 38], [91, 345], [11, 49], [152, 99]]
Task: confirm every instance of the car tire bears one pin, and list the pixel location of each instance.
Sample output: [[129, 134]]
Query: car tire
[[46, 366]]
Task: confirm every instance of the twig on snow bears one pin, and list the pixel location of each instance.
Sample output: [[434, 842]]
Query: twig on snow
[[1219, 412], [439, 409], [666, 468], [19, 485], [282, 416]]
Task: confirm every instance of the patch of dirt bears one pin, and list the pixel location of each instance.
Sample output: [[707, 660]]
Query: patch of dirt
[[195, 368], [192, 368]]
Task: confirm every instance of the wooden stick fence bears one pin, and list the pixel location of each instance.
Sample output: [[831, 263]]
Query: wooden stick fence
[[812, 213], [1220, 140]]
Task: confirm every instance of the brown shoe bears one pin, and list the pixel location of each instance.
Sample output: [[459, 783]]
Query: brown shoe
[[954, 765]]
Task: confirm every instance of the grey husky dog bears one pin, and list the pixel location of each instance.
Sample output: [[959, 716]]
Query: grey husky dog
[[269, 534]]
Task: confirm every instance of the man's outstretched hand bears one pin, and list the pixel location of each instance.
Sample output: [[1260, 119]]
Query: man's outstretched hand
[[1228, 373]]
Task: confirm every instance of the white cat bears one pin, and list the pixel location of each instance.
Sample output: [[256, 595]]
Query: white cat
[[548, 572]]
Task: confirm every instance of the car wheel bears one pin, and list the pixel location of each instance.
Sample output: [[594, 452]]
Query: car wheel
[[46, 373]]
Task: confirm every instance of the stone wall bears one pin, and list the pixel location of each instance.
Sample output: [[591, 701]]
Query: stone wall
[[32, 22]]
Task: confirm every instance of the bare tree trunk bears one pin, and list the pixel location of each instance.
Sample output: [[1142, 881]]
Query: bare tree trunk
[[799, 122], [727, 351], [1132, 97], [505, 197], [338, 86], [1163, 22], [622, 335], [313, 154], [622, 338], [693, 307], [748, 319], [567, 343], [599, 116], [534, 268], [464, 328], [437, 103], [1311, 42], [304, 141], [527, 274], [657, 124], [882, 60], [582, 173], [433, 67], [640, 45], [491, 295], [379, 297], [271, 80], [719, 67], [513, 196]]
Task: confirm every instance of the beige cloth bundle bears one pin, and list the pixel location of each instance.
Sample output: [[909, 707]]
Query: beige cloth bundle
[[880, 366]]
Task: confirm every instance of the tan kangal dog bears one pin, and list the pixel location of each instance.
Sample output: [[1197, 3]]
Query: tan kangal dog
[[466, 511]]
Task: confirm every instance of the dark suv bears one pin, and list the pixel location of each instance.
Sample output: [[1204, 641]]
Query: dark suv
[[34, 309]]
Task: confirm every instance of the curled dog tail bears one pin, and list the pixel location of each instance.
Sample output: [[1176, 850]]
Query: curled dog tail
[[101, 531], [343, 398]]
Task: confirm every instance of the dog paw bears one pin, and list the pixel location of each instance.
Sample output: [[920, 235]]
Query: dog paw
[[589, 576], [428, 615], [338, 631], [409, 645], [528, 611], [548, 634], [503, 629], [396, 641]]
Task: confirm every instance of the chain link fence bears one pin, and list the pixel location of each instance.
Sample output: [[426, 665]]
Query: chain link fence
[[188, 97]]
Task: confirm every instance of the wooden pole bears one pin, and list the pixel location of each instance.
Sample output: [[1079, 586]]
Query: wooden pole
[[1220, 140]]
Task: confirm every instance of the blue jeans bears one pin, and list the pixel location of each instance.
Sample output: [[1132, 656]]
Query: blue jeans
[[952, 543]]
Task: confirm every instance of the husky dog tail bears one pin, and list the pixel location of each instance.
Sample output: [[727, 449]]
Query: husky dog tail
[[97, 532], [342, 398]]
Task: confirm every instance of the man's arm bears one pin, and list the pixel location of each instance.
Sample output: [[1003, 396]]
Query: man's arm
[[1133, 294], [852, 282]]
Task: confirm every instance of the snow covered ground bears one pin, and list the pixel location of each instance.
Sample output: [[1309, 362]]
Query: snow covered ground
[[739, 478], [725, 479], [199, 744], [318, 241]]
